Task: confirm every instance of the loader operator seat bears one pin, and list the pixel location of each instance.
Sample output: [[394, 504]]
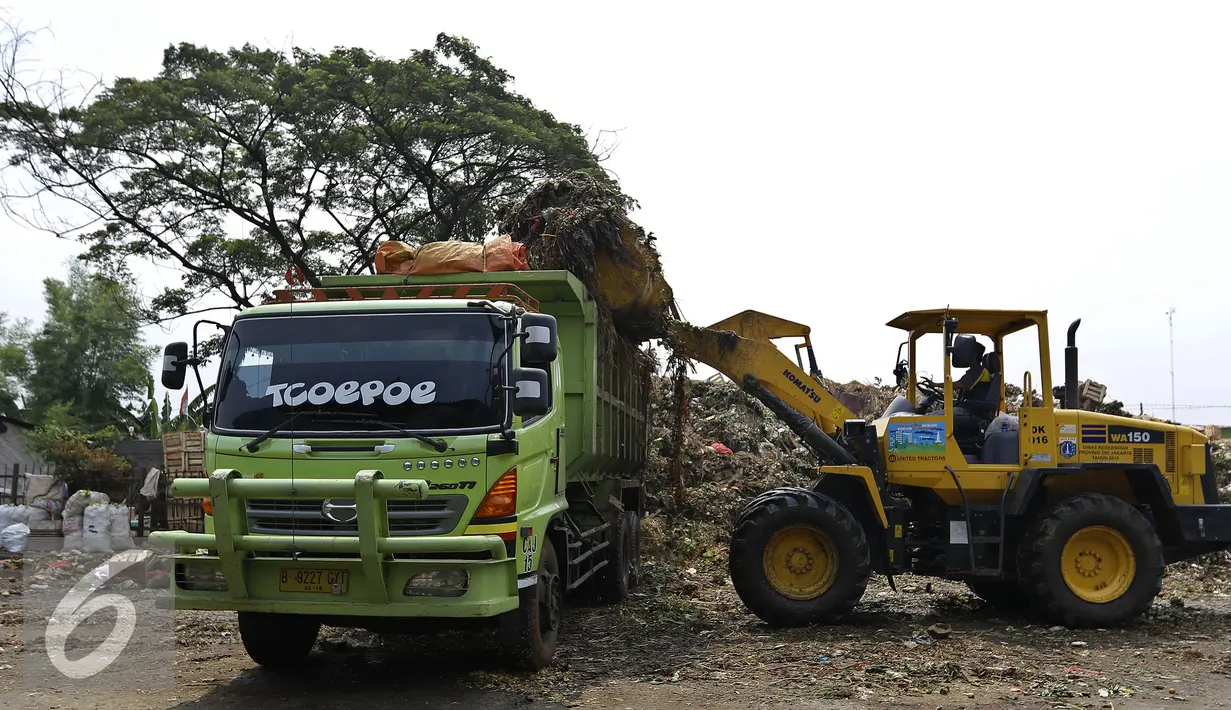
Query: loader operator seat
[[983, 399], [978, 396]]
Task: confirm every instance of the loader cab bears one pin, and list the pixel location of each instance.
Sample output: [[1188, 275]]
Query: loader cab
[[967, 407]]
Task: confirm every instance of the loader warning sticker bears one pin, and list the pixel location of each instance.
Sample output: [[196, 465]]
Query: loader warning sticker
[[916, 441]]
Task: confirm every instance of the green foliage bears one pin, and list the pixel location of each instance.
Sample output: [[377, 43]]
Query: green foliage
[[320, 156], [88, 358], [81, 461], [14, 363], [193, 416]]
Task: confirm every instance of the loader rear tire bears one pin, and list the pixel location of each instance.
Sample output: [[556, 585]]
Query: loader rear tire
[[799, 557], [1092, 560], [278, 642]]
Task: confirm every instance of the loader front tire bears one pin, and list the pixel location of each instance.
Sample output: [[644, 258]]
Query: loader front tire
[[1092, 560], [799, 557], [278, 642]]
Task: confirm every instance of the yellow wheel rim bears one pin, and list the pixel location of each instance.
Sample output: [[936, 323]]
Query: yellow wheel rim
[[1098, 564], [800, 562]]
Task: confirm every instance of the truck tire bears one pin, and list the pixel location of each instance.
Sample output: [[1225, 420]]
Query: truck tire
[[528, 634], [615, 579], [634, 559], [799, 557], [1092, 560], [278, 641]]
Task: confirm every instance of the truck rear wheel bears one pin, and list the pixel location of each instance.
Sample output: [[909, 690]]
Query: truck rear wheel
[[528, 634], [278, 641], [616, 578], [634, 555], [1093, 560], [799, 557]]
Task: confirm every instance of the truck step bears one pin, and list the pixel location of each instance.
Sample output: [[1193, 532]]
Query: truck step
[[589, 552], [595, 529], [577, 582]]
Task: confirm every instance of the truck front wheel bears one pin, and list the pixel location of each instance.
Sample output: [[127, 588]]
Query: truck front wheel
[[799, 557], [278, 641], [528, 634]]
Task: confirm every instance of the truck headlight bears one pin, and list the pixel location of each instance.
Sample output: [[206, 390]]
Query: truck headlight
[[441, 583]]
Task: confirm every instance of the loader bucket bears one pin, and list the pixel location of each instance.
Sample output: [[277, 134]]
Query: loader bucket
[[631, 285]]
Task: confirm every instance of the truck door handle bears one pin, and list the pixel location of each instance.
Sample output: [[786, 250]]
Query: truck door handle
[[308, 448]]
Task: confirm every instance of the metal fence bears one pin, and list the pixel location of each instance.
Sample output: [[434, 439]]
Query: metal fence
[[13, 480]]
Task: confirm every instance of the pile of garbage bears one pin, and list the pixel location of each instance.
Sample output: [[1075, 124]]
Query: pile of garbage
[[731, 448], [580, 224]]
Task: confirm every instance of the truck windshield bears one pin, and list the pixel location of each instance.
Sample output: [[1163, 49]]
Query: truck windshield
[[434, 371]]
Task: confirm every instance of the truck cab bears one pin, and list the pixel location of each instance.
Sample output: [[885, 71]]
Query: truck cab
[[388, 454]]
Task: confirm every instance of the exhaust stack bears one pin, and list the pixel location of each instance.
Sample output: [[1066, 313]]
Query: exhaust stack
[[1072, 397]]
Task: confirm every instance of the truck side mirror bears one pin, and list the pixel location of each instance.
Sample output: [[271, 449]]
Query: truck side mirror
[[541, 344], [530, 395], [174, 365]]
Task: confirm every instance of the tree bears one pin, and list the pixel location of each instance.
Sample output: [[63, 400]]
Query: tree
[[319, 157], [193, 416], [14, 364], [88, 354], [81, 460]]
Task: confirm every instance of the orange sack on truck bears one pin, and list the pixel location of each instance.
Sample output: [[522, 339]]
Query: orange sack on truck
[[454, 257], [451, 257], [394, 258]]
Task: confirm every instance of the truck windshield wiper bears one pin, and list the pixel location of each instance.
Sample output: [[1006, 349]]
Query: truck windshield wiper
[[439, 444], [251, 445]]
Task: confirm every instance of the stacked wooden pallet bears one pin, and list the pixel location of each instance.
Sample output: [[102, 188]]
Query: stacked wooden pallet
[[183, 454]]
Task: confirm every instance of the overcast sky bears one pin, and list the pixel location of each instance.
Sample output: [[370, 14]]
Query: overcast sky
[[837, 163]]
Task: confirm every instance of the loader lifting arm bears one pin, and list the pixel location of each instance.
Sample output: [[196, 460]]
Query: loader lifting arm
[[741, 347]]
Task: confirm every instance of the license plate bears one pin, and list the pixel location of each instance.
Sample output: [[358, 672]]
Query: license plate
[[319, 581]]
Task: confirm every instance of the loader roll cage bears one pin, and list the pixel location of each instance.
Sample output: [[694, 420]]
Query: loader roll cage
[[993, 325]]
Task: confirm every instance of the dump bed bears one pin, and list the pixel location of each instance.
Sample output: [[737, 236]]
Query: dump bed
[[606, 380]]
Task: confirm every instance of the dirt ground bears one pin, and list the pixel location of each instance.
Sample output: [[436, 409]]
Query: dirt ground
[[675, 643]]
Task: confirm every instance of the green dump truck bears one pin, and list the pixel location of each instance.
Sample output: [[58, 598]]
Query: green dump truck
[[394, 453]]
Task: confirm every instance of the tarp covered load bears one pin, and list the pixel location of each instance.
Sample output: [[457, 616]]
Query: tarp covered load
[[451, 257], [580, 224]]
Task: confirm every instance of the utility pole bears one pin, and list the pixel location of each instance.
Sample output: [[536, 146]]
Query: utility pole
[[1171, 338]]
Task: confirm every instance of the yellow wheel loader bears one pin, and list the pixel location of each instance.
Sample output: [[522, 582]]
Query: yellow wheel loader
[[1055, 508]]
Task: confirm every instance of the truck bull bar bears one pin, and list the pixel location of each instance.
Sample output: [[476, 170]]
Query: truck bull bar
[[228, 490]]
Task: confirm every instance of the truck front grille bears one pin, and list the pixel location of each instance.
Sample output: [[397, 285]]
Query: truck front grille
[[436, 515]]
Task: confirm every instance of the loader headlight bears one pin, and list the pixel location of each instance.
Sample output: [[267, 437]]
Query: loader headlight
[[441, 583]]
